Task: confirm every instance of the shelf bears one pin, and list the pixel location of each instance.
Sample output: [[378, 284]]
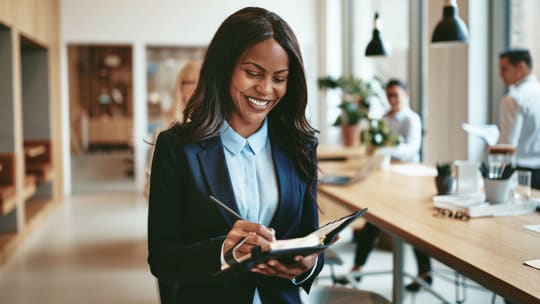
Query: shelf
[[36, 211], [29, 99]]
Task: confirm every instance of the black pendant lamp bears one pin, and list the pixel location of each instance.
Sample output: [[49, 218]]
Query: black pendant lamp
[[377, 46], [451, 28]]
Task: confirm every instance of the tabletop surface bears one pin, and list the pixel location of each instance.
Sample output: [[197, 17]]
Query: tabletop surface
[[489, 250]]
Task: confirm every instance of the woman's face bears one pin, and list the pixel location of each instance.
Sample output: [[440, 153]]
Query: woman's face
[[258, 83]]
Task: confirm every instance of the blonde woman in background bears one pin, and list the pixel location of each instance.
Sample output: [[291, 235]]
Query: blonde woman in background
[[185, 84], [186, 81]]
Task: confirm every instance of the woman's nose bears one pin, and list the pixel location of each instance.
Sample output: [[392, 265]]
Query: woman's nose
[[265, 86]]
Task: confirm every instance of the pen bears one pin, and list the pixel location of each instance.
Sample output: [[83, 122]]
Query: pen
[[231, 212]]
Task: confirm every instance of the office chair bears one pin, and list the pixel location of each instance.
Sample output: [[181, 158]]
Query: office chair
[[341, 295], [331, 258], [385, 243]]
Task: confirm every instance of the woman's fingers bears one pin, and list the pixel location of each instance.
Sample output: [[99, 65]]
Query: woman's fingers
[[288, 271], [255, 234]]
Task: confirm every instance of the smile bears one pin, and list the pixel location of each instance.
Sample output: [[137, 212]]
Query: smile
[[259, 103]]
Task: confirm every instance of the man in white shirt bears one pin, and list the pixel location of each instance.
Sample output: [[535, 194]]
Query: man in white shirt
[[402, 120], [520, 110]]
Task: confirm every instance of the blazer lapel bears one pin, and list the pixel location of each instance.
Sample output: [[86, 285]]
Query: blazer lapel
[[214, 167], [285, 177]]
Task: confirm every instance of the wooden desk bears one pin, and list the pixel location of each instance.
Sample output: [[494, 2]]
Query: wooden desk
[[340, 152], [490, 251]]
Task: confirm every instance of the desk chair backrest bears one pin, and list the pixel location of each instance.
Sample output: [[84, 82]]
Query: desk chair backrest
[[341, 295]]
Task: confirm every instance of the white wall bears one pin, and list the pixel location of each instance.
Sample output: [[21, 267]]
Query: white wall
[[169, 22], [456, 85]]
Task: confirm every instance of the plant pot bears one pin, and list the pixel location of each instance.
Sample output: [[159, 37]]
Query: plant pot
[[370, 150], [444, 184], [350, 135]]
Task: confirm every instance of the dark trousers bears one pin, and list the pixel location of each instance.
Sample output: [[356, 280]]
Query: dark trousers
[[535, 177], [365, 241]]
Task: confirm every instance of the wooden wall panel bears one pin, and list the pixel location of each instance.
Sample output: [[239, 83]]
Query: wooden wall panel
[[38, 22], [7, 11]]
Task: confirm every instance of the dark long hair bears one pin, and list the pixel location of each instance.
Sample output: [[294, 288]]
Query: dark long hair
[[211, 102]]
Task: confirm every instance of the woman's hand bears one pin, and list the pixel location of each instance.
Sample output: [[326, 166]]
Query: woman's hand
[[287, 271], [257, 235]]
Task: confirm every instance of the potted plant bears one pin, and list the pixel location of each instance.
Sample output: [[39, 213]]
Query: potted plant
[[444, 180], [377, 135], [354, 106]]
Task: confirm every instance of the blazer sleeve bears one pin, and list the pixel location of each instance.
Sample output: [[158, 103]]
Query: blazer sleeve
[[172, 255]]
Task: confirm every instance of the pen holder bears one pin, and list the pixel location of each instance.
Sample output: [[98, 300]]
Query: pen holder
[[497, 190]]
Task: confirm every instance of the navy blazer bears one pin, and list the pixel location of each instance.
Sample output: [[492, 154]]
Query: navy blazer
[[186, 230]]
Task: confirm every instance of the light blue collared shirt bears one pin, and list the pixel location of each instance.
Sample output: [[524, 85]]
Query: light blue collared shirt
[[253, 177], [251, 168]]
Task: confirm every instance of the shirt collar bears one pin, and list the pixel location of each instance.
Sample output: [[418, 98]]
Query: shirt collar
[[528, 78], [234, 142]]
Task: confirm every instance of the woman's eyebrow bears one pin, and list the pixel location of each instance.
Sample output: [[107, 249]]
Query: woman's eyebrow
[[263, 69]]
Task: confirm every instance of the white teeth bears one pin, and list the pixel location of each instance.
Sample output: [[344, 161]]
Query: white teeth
[[258, 102]]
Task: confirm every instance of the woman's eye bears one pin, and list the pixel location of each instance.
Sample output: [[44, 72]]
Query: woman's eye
[[280, 79], [252, 74]]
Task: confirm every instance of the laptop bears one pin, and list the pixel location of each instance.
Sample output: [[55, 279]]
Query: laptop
[[368, 167]]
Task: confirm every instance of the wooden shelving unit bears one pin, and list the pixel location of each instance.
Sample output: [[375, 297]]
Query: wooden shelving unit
[[30, 103], [100, 90]]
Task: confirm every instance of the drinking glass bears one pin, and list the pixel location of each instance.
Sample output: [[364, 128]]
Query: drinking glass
[[522, 185]]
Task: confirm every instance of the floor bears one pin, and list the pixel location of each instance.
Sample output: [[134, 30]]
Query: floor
[[92, 249], [88, 171]]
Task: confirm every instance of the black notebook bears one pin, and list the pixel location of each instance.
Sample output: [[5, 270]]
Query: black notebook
[[286, 250]]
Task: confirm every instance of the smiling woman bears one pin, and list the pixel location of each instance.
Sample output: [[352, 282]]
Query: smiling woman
[[244, 140]]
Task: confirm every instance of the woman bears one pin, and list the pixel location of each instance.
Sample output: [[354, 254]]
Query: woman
[[185, 84], [186, 81], [246, 141]]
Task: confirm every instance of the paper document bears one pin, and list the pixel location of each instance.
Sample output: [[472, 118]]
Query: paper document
[[535, 228], [533, 263], [474, 205], [489, 133], [414, 170]]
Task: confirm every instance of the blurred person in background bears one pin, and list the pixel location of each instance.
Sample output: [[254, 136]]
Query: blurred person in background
[[185, 84], [186, 81], [405, 122], [520, 111]]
